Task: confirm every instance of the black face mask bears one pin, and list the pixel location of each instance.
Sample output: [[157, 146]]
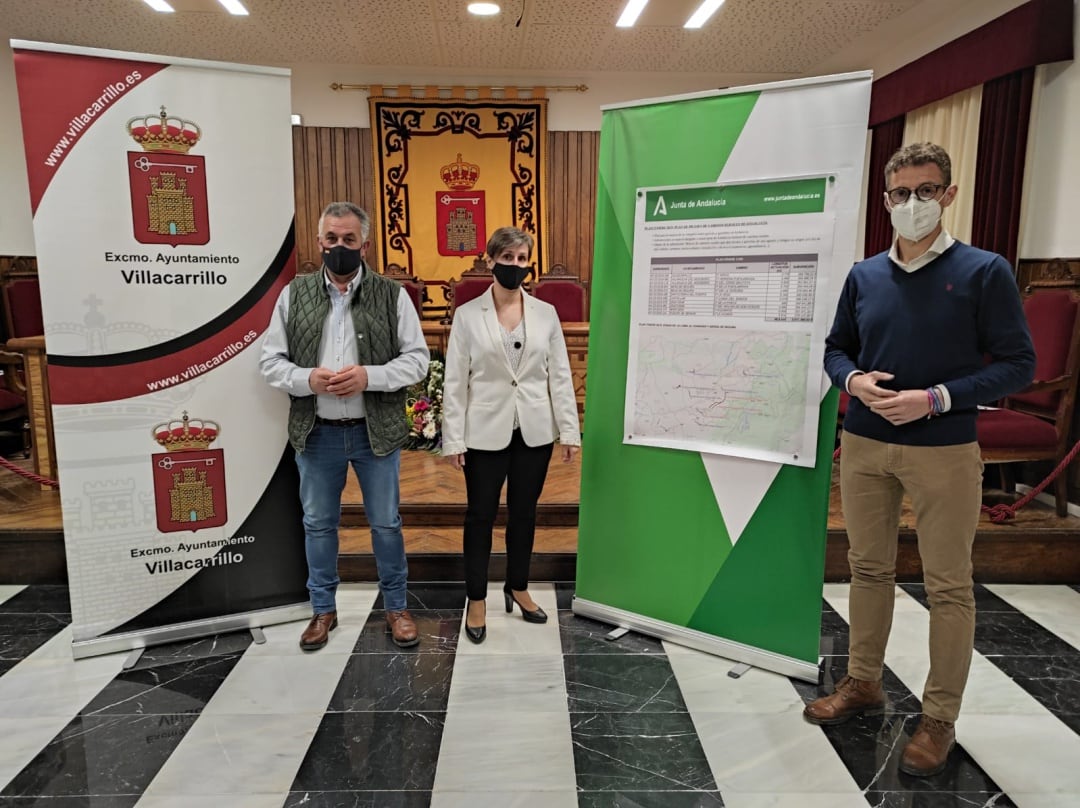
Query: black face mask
[[510, 276], [340, 260]]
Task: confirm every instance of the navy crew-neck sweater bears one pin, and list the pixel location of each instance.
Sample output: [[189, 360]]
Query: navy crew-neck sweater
[[957, 321]]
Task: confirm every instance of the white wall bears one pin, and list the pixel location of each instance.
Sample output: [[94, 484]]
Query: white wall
[[567, 111], [1052, 197], [1051, 227], [16, 233]]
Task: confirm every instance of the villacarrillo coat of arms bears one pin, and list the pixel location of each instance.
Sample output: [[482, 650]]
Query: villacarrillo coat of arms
[[189, 476], [459, 210], [168, 185]]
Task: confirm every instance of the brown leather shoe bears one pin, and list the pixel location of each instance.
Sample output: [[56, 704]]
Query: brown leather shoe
[[317, 633], [928, 750], [851, 697], [402, 627]]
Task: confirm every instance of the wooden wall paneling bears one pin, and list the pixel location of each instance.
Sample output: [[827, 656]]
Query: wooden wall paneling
[[330, 164], [305, 228], [572, 190]]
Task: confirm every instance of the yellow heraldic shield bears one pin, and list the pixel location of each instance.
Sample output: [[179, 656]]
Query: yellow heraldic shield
[[189, 478]]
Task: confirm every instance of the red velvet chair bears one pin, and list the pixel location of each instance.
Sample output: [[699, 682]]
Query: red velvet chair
[[1035, 423], [14, 415], [565, 291], [472, 283], [21, 297], [415, 287]]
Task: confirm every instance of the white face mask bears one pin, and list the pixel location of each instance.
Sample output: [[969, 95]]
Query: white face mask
[[915, 219]]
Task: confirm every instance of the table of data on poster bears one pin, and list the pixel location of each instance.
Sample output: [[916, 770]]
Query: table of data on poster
[[777, 288]]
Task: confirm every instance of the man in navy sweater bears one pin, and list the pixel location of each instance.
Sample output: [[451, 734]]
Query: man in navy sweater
[[923, 334]]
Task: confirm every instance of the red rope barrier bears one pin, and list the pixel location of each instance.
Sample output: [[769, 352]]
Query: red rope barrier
[[1003, 512], [37, 478]]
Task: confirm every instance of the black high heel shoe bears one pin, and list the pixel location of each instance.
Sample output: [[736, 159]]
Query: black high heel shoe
[[477, 634], [538, 615]]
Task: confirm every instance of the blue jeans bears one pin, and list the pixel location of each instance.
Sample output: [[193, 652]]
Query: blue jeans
[[323, 465]]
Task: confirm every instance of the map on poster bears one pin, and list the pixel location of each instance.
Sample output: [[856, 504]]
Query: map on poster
[[727, 318]]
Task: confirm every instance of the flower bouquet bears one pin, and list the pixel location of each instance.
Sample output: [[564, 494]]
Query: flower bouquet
[[423, 410]]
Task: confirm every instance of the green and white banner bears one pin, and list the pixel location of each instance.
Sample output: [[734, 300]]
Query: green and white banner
[[725, 224]]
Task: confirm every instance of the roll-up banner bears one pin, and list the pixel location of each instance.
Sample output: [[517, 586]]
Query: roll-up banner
[[162, 197], [726, 222]]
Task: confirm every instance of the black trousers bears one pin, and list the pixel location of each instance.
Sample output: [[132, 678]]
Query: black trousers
[[523, 468]]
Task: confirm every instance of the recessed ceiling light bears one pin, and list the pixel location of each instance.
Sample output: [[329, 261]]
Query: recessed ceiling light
[[234, 7], [701, 16], [160, 5], [483, 9], [630, 13]]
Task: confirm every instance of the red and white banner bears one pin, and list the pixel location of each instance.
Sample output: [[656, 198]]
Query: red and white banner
[[162, 195]]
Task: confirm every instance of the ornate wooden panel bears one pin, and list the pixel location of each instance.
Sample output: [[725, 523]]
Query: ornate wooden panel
[[334, 163]]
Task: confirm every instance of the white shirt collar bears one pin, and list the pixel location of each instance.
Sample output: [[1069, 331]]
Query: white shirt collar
[[940, 245]]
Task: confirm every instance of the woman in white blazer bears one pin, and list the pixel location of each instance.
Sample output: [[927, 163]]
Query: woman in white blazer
[[507, 396]]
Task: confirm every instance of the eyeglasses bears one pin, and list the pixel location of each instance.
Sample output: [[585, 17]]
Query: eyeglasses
[[925, 192]]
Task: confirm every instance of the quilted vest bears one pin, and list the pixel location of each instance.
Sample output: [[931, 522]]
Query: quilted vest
[[374, 315]]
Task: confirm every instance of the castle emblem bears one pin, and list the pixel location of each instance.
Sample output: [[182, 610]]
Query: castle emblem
[[189, 477], [459, 210], [168, 185]]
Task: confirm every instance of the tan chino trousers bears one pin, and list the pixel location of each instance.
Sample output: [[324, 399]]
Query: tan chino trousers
[[945, 487]]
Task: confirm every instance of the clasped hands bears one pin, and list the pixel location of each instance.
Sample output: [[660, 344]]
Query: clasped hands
[[896, 407], [348, 381]]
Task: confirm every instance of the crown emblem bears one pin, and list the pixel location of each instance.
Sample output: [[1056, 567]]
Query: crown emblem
[[164, 133], [459, 175], [185, 434]]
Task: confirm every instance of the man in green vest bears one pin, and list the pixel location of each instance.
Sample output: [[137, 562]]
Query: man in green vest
[[345, 343]]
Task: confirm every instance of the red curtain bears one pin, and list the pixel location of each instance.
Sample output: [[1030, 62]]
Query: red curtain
[[999, 167], [885, 139], [1035, 33]]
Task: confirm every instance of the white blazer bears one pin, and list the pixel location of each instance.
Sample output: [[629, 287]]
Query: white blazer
[[481, 392]]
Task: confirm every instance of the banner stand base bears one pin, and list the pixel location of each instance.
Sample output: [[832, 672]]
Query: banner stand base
[[698, 640], [112, 643]]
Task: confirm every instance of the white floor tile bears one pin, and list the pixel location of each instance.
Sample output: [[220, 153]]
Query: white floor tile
[[40, 695], [504, 799], [1055, 608], [512, 752], [508, 633]]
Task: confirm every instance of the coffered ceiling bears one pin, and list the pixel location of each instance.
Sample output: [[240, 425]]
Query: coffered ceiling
[[781, 37]]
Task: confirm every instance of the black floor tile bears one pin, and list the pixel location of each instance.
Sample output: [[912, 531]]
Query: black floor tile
[[13, 623], [423, 596], [871, 745], [401, 681], [38, 598], [622, 683], [624, 752], [438, 630], [386, 751], [938, 799], [564, 594], [833, 669], [581, 635], [183, 686], [650, 799], [108, 755], [16, 647]]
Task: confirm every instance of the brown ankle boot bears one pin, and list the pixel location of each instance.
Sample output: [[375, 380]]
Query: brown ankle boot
[[851, 697], [928, 750]]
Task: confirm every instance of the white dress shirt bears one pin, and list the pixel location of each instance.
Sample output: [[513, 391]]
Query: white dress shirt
[[338, 350]]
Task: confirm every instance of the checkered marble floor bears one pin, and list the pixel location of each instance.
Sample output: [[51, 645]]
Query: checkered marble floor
[[539, 715]]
